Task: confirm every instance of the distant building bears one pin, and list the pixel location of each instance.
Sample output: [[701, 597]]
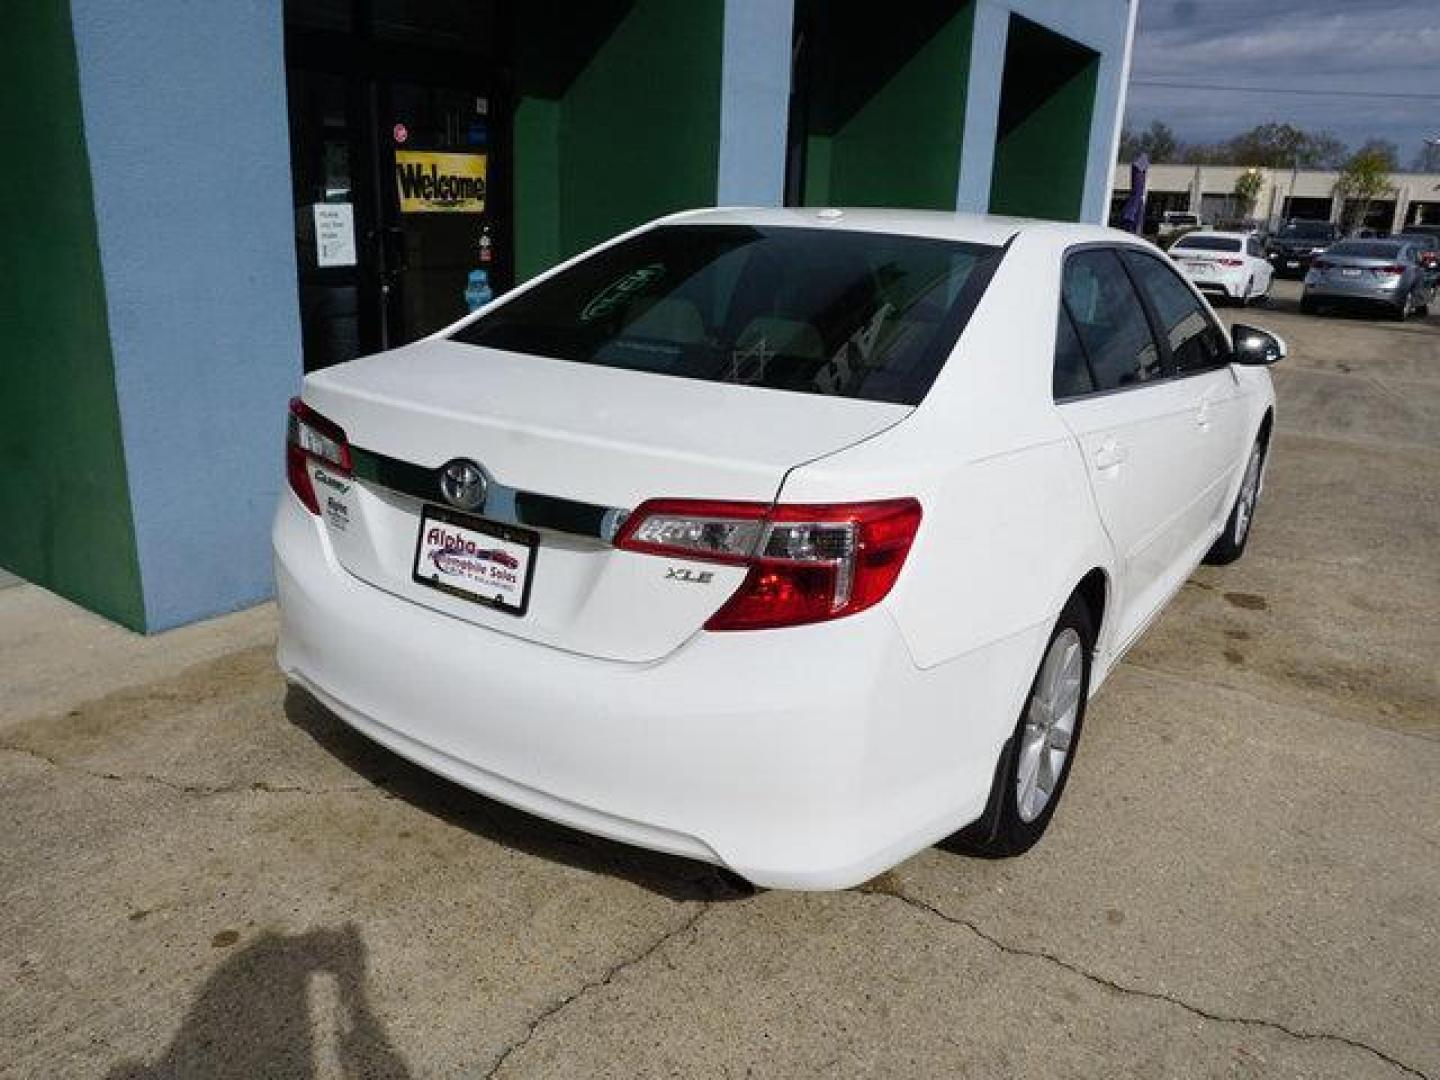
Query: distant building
[[1209, 190]]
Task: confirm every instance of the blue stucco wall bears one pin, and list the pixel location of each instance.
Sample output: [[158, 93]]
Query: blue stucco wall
[[185, 123], [754, 102]]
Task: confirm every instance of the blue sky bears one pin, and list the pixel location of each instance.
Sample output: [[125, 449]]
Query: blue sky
[[1324, 48]]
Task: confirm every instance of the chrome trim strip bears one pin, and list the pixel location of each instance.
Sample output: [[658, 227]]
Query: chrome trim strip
[[503, 504]]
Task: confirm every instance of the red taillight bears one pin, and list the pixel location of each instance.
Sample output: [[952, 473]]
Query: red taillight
[[1394, 268], [807, 563], [311, 437], [1231, 262]]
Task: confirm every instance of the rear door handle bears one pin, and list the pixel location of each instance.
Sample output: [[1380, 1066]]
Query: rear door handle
[[1110, 456]]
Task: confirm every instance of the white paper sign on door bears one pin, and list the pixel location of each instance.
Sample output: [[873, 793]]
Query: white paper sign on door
[[334, 234]]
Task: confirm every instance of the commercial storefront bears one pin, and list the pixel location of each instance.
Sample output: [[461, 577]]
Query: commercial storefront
[[203, 201]]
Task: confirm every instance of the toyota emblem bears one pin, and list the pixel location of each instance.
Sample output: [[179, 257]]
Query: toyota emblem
[[463, 484]]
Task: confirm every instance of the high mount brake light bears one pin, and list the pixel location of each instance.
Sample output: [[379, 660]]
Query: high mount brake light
[[807, 563], [311, 437]]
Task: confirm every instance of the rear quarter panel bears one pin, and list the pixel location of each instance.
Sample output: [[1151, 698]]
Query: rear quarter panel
[[1010, 526]]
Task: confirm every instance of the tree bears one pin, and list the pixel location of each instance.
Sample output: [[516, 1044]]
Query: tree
[[1366, 177], [1158, 141], [1247, 191], [1281, 146], [1382, 150], [1428, 159]]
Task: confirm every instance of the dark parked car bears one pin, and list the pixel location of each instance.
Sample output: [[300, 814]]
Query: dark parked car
[[1297, 243], [1369, 273]]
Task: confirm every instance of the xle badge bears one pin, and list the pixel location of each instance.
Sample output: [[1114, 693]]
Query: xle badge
[[690, 577]]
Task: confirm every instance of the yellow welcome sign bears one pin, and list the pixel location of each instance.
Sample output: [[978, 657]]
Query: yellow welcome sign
[[430, 182]]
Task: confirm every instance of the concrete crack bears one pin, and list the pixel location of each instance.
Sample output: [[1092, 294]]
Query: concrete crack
[[1135, 991], [611, 973], [204, 790]]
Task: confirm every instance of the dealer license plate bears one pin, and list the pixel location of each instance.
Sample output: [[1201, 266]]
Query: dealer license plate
[[475, 560], [1292, 264]]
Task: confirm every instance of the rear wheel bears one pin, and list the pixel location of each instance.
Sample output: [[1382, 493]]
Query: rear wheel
[[1231, 543], [1245, 297], [1308, 306], [1406, 307], [1036, 763]]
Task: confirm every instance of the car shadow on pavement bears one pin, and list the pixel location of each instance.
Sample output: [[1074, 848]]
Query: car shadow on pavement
[[667, 875], [255, 1015]]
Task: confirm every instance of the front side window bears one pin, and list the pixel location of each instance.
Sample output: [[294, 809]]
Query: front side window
[[1109, 320], [1196, 343], [840, 313]]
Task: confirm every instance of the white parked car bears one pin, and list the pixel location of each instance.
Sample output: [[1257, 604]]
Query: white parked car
[[1231, 265], [792, 541]]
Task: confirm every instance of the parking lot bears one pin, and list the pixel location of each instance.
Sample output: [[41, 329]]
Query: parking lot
[[205, 874]]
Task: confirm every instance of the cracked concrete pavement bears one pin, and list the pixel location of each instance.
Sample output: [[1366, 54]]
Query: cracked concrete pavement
[[203, 873]]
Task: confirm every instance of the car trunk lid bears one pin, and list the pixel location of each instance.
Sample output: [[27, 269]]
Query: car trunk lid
[[567, 449]]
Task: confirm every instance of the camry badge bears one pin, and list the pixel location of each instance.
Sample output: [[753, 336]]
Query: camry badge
[[463, 484]]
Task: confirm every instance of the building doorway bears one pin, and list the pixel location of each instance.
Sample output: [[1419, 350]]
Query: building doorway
[[399, 139]]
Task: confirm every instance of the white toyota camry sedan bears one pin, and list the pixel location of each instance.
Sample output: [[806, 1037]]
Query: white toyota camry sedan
[[793, 541]]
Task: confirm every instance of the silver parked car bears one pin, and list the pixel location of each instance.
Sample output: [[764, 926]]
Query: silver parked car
[[1388, 273]]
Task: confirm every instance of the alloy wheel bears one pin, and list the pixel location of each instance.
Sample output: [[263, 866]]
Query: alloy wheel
[[1249, 492], [1050, 724]]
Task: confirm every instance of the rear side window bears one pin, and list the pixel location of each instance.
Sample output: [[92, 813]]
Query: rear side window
[[1072, 371], [846, 314], [1208, 243], [1196, 343], [1109, 320]]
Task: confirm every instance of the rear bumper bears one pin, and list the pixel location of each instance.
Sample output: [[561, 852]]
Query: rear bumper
[[809, 758], [1281, 262], [1336, 291], [1230, 284]]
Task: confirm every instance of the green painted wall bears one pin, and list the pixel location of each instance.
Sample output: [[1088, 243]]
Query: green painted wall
[[901, 147], [537, 185], [633, 135], [1040, 163], [65, 519]]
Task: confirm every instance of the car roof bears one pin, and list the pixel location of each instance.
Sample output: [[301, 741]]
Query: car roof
[[940, 224]]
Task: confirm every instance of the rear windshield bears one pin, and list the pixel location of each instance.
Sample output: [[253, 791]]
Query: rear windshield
[[1208, 243], [1366, 249], [848, 314], [1307, 230]]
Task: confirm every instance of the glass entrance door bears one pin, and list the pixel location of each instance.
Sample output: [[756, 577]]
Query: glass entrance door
[[400, 163], [440, 220]]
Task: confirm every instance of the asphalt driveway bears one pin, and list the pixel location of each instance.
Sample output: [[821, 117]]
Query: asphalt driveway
[[203, 873]]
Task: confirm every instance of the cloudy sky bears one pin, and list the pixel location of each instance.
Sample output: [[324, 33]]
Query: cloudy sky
[[1324, 48]]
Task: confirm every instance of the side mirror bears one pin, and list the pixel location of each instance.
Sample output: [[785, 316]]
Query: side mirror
[[1256, 347]]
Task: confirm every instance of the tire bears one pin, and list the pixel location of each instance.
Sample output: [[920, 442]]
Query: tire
[[1406, 307], [1309, 307], [1245, 296], [1231, 543], [1020, 808]]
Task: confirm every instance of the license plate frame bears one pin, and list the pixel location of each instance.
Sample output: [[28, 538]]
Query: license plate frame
[[529, 541]]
